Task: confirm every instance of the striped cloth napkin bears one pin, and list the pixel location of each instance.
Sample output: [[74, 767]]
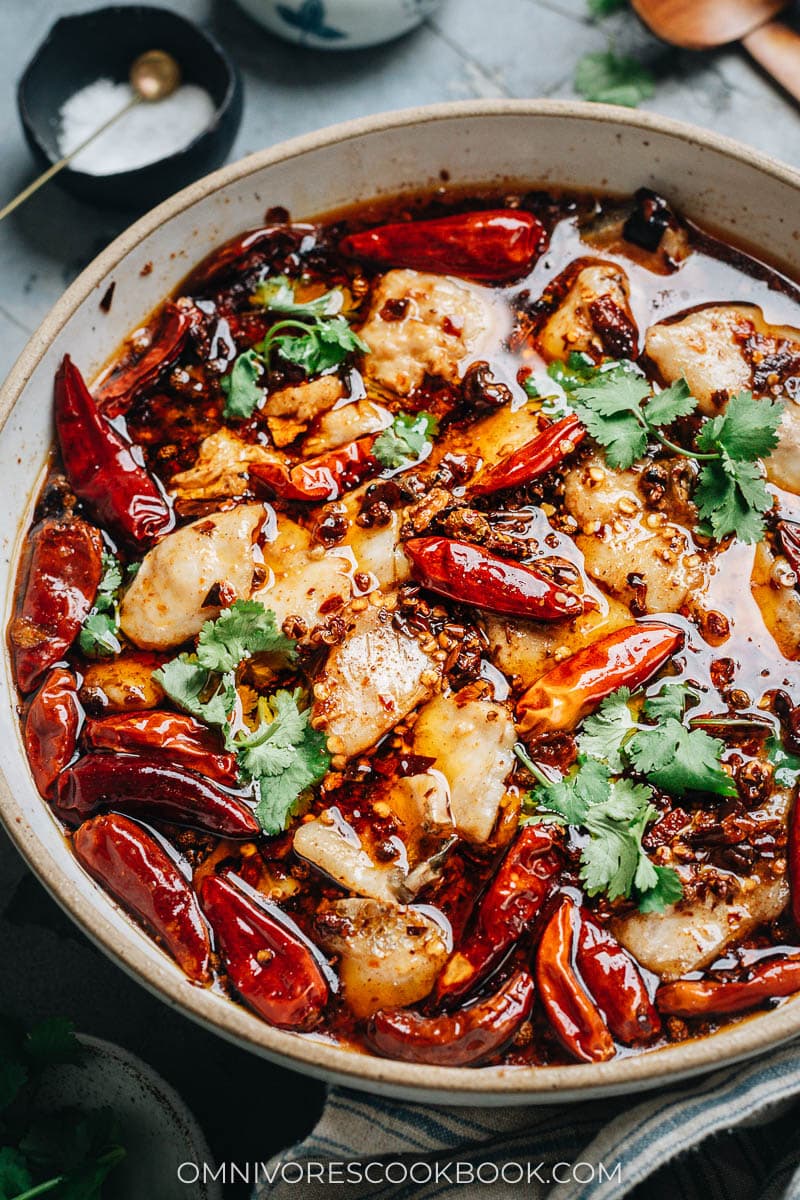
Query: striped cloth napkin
[[734, 1135]]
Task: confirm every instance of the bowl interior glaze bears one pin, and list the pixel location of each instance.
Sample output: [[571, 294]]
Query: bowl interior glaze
[[736, 192]]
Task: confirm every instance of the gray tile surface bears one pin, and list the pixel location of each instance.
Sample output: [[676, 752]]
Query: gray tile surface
[[525, 48]]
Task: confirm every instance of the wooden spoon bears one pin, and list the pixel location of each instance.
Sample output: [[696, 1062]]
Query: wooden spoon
[[701, 24]]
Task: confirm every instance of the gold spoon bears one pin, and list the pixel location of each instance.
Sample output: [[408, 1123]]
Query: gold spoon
[[153, 76], [702, 24]]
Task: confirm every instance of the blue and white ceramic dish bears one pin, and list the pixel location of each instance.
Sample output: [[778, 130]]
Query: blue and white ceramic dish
[[339, 24]]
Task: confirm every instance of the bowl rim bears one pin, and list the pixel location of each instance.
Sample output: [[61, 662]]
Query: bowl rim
[[232, 87], [316, 1056]]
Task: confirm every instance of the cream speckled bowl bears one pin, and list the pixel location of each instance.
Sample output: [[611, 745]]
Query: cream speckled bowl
[[719, 183]]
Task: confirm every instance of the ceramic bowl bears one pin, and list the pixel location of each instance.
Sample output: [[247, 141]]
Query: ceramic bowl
[[714, 181], [166, 1150], [339, 24], [102, 44]]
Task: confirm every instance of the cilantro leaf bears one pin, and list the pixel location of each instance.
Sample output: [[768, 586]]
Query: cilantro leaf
[[317, 346], [80, 1146], [572, 797], [13, 1077], [244, 629], [240, 386], [578, 369], [673, 402], [604, 8], [787, 766], [667, 889], [284, 756], [747, 429], [98, 635], [605, 730], [731, 497], [192, 687], [621, 435], [609, 78], [670, 702], [277, 294], [406, 440], [613, 392], [611, 861], [15, 1178], [679, 760], [53, 1041]]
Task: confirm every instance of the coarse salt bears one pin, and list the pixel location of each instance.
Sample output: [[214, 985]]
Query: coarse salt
[[148, 132]]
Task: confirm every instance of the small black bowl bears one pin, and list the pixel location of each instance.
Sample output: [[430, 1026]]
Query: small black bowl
[[102, 44]]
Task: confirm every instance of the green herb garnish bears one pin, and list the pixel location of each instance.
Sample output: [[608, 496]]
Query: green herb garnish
[[615, 814], [241, 387], [98, 637], [66, 1154], [609, 78], [406, 441], [623, 413], [314, 336], [284, 756]]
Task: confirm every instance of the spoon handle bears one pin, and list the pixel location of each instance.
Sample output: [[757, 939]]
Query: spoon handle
[[65, 161], [776, 48]]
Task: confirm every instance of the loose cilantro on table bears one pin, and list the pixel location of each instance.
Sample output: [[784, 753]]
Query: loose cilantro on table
[[604, 8], [609, 78], [313, 336], [623, 414], [406, 440], [66, 1154], [284, 756], [99, 634]]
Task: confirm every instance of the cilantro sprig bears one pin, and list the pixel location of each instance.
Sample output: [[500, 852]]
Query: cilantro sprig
[[67, 1154], [98, 637], [615, 812], [284, 756], [610, 78], [623, 413], [406, 441], [314, 335]]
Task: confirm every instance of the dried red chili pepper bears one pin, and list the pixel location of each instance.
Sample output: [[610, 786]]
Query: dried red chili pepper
[[63, 573], [165, 339], [228, 258], [507, 909], [51, 728], [321, 478], [101, 467], [149, 787], [187, 742], [789, 532], [574, 1016], [472, 575], [709, 997], [459, 1039], [268, 963], [533, 459], [493, 246], [627, 657], [130, 864], [615, 982]]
